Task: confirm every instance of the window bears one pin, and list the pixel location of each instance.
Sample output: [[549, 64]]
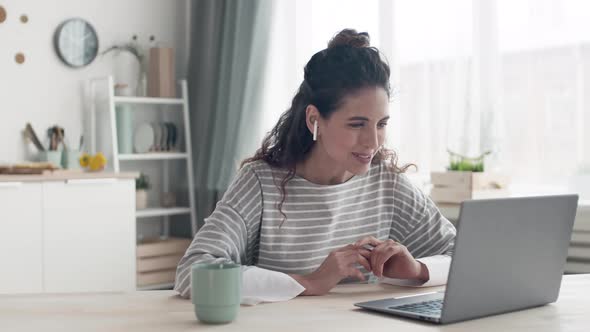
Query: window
[[468, 75]]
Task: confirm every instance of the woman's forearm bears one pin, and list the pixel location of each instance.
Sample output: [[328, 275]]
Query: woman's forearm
[[305, 282]]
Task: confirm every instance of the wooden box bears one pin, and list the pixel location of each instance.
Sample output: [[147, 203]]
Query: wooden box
[[147, 264], [155, 277], [157, 260], [157, 247], [456, 186]]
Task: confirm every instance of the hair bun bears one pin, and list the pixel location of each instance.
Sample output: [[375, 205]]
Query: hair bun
[[349, 37]]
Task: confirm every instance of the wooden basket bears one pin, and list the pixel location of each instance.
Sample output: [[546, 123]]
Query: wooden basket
[[456, 186], [157, 260]]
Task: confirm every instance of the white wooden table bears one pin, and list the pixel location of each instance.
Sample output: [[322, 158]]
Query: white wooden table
[[164, 311]]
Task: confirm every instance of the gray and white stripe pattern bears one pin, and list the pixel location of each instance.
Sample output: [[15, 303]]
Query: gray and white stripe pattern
[[244, 228]]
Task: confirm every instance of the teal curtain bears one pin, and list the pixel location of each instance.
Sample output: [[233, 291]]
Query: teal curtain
[[228, 52]]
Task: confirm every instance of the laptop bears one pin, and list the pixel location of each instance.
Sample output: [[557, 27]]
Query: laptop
[[509, 255]]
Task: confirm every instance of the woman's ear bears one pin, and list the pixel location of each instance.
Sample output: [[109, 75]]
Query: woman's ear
[[312, 114]]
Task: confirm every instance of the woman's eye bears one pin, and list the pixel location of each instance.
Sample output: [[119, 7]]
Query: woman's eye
[[356, 125], [383, 125]]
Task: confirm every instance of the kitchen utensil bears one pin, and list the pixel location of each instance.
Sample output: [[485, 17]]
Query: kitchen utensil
[[56, 137], [30, 133], [61, 137], [52, 139]]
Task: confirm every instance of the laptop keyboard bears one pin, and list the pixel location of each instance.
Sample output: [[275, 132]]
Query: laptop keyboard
[[432, 308]]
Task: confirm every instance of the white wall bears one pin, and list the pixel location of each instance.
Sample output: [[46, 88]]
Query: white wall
[[43, 90]]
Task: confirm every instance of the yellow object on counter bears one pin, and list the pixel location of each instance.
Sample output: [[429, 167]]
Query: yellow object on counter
[[97, 162], [93, 163], [84, 160]]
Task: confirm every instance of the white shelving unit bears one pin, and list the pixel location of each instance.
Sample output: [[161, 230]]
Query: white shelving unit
[[103, 107], [174, 105], [157, 212], [154, 156], [148, 100]]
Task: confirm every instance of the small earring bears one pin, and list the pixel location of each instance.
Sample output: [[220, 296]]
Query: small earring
[[315, 130]]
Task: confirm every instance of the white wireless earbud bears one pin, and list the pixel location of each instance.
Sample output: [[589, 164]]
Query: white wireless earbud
[[315, 130]]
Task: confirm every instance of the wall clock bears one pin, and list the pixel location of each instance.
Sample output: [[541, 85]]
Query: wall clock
[[2, 14], [76, 42]]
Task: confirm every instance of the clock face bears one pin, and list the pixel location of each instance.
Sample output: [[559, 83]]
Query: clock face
[[76, 42]]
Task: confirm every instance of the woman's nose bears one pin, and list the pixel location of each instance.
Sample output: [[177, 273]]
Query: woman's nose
[[371, 139]]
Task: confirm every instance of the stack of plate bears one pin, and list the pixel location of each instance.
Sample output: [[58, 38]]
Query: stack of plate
[[155, 137]]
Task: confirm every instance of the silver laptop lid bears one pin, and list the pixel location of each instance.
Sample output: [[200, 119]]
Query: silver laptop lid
[[509, 254]]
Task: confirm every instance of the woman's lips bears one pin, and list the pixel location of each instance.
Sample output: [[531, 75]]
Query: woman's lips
[[363, 158]]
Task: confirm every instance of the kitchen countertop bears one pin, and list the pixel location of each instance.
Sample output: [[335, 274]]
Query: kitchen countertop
[[62, 175]]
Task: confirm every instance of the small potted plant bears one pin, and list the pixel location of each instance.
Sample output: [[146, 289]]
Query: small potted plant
[[466, 178], [142, 185], [462, 163]]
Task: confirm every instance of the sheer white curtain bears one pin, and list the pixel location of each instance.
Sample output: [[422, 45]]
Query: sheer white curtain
[[433, 74], [545, 60], [302, 28], [468, 75]]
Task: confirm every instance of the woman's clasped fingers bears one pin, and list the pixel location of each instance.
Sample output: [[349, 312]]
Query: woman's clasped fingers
[[382, 253], [365, 252], [364, 261], [356, 273], [355, 257], [368, 240]]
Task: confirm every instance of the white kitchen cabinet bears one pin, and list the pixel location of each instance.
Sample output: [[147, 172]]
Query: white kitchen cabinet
[[20, 237], [67, 235], [89, 235]]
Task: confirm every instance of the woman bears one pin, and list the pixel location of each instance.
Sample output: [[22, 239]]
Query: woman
[[322, 200]]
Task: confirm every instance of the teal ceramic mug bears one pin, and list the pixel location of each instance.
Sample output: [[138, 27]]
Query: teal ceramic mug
[[70, 159], [53, 156], [216, 291]]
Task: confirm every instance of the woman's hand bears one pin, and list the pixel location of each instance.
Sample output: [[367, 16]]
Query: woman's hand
[[338, 265], [393, 260]]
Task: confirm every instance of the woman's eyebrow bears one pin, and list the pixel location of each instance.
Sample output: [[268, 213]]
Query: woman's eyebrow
[[362, 118]]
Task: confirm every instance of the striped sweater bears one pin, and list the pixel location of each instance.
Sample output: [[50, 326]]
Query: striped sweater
[[245, 226]]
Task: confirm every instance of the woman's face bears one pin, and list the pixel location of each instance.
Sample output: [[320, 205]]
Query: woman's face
[[354, 132]]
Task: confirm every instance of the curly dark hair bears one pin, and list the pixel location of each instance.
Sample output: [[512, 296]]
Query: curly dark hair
[[348, 65]]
